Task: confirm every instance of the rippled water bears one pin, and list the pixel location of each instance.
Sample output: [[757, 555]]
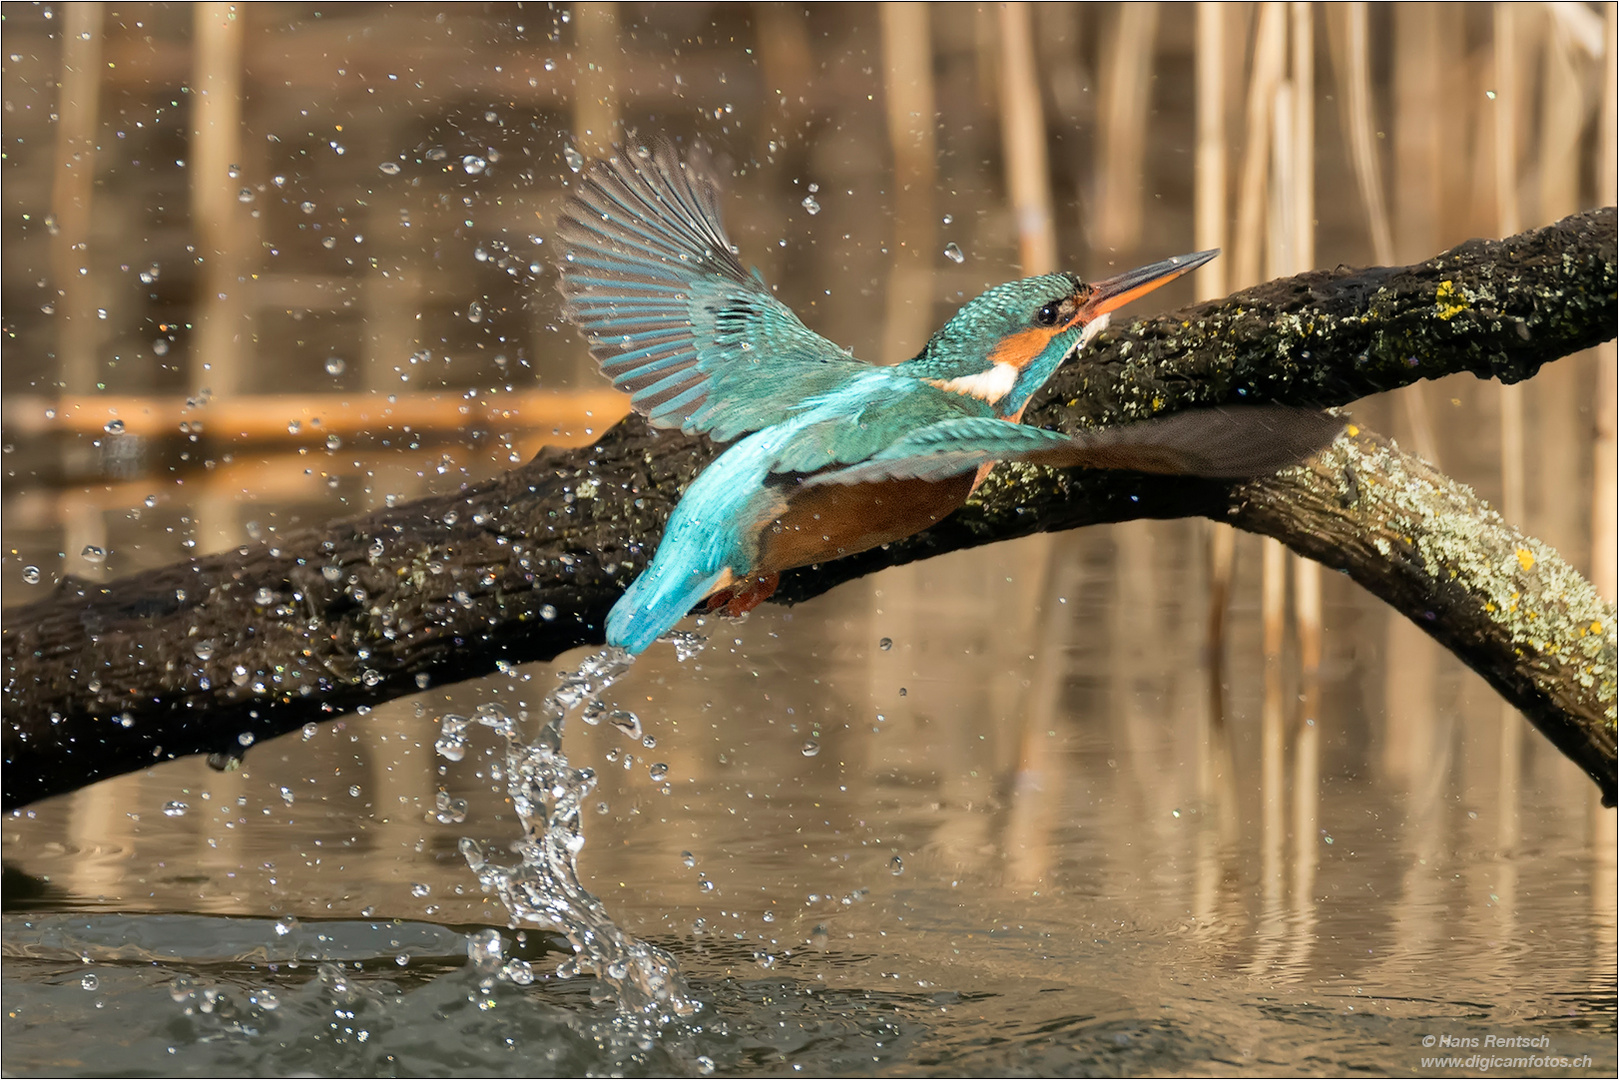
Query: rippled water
[[989, 861]]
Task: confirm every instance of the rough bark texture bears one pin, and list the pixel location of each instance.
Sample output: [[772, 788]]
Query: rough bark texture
[[210, 655]]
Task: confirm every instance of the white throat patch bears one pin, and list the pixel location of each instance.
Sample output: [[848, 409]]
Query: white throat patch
[[1090, 330], [990, 386]]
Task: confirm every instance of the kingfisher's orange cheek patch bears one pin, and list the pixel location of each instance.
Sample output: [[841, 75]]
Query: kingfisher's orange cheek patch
[[1020, 349]]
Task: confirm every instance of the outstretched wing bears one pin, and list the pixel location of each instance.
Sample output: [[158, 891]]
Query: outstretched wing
[[670, 314], [1228, 443]]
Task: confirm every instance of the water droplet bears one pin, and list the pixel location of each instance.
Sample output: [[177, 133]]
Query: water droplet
[[885, 644], [293, 427], [245, 195], [175, 808], [371, 677], [688, 858], [238, 675], [419, 889], [93, 554], [705, 1065], [307, 207], [113, 427], [574, 158], [30, 575], [452, 740], [811, 748], [265, 999], [474, 165], [160, 347], [548, 612], [811, 205], [954, 253], [475, 312], [391, 168], [90, 981], [264, 597], [287, 924], [896, 866], [335, 366], [657, 772], [770, 916], [449, 810], [204, 649], [625, 721]]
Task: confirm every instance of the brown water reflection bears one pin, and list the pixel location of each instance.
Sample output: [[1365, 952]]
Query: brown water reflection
[[1016, 774], [935, 840]]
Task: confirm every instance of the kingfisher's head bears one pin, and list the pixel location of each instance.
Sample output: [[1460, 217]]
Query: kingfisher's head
[[1002, 346]]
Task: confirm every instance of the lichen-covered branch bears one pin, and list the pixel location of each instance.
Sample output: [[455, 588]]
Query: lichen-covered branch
[[213, 654], [1508, 605]]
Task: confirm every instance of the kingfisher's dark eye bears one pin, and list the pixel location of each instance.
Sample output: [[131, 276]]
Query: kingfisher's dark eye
[[1047, 316]]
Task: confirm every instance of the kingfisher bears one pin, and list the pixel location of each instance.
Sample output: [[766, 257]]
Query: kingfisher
[[830, 455]]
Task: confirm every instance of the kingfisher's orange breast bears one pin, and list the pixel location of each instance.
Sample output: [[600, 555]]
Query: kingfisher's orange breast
[[832, 520]]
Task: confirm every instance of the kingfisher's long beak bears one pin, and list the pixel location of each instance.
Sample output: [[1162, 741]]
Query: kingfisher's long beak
[[1115, 292]]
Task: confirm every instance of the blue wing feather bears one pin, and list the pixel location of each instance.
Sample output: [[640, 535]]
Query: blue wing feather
[[1232, 443], [671, 315]]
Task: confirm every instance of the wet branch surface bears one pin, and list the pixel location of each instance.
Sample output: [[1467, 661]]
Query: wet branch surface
[[218, 652]]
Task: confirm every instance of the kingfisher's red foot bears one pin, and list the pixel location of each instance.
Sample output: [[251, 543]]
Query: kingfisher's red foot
[[745, 595]]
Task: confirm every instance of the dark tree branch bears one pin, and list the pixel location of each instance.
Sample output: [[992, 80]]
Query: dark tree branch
[[210, 655]]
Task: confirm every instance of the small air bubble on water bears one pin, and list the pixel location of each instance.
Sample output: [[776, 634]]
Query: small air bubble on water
[[885, 644], [811, 748], [175, 808], [954, 253], [896, 866], [657, 772], [391, 168], [93, 554], [30, 575]]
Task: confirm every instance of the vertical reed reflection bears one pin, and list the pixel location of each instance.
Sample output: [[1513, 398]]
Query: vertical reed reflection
[[221, 349], [72, 192]]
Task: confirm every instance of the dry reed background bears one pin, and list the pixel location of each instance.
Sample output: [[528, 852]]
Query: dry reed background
[[226, 222]]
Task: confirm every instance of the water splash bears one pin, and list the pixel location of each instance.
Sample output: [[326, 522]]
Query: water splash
[[543, 888]]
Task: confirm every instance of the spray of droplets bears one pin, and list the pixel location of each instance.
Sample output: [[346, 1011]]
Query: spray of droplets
[[543, 889]]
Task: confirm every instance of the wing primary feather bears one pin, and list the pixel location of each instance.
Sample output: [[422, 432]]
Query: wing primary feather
[[649, 276]]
